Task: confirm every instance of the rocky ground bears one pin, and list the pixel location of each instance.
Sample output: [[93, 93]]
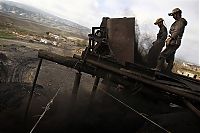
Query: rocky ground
[[19, 65], [65, 114]]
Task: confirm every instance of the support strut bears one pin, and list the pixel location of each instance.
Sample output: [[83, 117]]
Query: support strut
[[94, 89], [76, 85], [32, 90]]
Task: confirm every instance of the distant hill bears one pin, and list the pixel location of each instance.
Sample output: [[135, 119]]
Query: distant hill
[[28, 13]]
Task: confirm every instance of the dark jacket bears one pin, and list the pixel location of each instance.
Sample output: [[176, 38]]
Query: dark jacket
[[161, 36], [155, 50], [177, 30]]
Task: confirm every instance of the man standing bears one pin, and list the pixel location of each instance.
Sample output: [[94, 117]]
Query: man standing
[[155, 50], [173, 41]]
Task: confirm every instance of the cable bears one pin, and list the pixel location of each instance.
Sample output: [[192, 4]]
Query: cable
[[135, 111], [45, 110]]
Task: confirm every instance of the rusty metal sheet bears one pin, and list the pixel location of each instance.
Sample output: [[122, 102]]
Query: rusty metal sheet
[[121, 38]]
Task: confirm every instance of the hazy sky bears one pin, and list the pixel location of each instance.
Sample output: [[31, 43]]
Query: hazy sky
[[90, 12]]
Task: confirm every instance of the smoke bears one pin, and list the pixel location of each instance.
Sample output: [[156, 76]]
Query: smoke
[[144, 42]]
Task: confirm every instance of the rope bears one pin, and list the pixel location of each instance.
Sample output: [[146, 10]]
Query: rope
[[154, 123], [45, 110]]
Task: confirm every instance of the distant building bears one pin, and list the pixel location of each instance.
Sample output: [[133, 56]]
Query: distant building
[[186, 73], [42, 40]]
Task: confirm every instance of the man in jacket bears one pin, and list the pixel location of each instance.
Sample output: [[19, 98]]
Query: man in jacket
[[155, 50], [173, 41]]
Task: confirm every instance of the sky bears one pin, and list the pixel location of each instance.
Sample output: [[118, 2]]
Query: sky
[[89, 13]]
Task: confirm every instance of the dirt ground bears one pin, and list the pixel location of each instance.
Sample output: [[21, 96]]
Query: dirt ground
[[66, 114]]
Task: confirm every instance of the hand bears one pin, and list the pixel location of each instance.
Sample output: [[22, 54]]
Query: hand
[[168, 40]]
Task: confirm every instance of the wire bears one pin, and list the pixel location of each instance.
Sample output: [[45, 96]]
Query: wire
[[154, 123], [45, 110]]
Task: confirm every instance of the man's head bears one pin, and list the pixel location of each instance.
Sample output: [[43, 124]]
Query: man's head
[[176, 13], [159, 22]]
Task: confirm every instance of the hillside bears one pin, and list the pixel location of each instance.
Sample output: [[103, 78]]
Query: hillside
[[20, 15], [10, 23]]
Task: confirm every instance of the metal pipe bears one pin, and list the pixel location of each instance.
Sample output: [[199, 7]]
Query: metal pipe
[[63, 60], [192, 107], [32, 90]]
